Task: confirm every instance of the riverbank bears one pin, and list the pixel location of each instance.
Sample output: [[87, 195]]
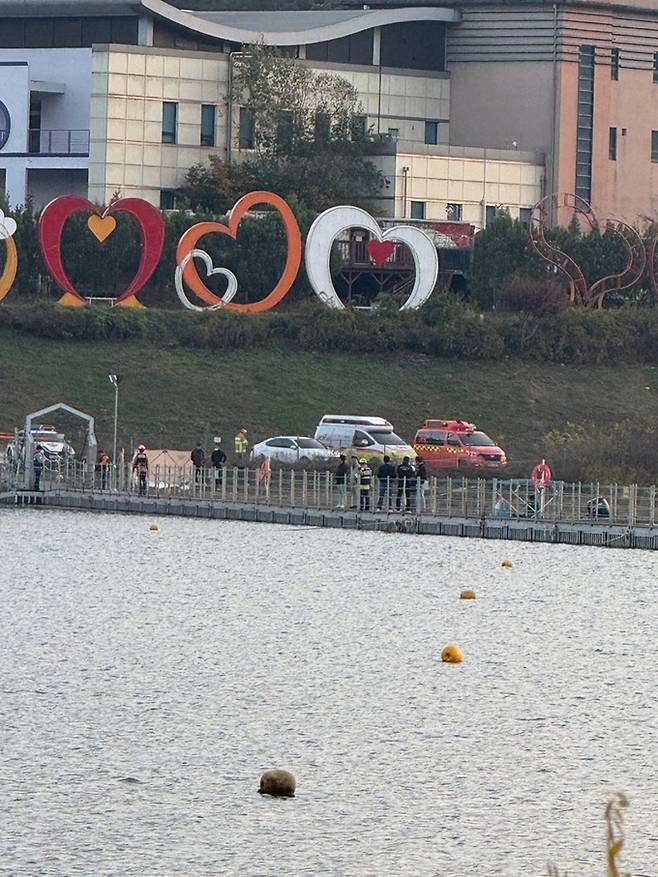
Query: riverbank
[[173, 397]]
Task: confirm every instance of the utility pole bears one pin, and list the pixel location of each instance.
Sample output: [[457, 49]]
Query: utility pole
[[115, 380]]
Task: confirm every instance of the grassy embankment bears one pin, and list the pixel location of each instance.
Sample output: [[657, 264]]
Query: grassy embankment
[[173, 397]]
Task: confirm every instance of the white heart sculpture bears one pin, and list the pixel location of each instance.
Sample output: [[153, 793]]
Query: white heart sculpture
[[231, 288], [336, 220], [7, 226]]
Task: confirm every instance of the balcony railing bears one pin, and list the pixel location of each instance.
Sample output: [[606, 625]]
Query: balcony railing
[[58, 141]]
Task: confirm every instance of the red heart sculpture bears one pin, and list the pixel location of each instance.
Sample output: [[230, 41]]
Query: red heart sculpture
[[379, 251], [51, 225]]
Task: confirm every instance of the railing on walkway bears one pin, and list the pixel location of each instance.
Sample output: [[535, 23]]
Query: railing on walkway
[[446, 496], [58, 141]]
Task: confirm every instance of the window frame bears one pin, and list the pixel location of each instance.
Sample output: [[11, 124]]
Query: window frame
[[459, 211], [432, 125], [654, 146], [169, 136], [206, 138], [612, 144], [615, 63], [246, 129], [416, 204]]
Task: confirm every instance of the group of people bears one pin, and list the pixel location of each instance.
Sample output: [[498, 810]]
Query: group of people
[[218, 460], [402, 486]]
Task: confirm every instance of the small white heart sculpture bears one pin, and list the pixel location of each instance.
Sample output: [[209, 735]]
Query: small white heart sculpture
[[231, 288], [336, 220], [7, 226]]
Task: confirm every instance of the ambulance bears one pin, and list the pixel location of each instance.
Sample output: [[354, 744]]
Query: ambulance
[[361, 436], [453, 444]]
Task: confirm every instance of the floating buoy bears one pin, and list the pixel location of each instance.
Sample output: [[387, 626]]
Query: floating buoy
[[452, 654], [279, 783], [507, 564], [153, 528], [467, 595]]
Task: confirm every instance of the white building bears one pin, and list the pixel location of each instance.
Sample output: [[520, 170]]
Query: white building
[[126, 96]]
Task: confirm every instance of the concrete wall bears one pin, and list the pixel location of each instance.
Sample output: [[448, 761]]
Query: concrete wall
[[470, 177], [494, 104], [23, 71], [130, 84]]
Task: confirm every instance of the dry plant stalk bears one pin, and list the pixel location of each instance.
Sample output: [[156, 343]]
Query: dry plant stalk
[[614, 818]]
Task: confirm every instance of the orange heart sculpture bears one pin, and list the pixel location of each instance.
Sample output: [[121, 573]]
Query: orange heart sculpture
[[101, 226], [189, 240]]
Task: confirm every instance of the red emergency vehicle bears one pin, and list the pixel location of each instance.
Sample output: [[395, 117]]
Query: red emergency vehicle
[[455, 443]]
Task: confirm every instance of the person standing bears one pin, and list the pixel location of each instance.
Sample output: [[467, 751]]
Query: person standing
[[140, 466], [198, 458], [340, 479], [385, 478], [241, 448], [103, 467], [354, 481], [422, 483], [365, 483], [38, 462], [405, 473], [218, 458]]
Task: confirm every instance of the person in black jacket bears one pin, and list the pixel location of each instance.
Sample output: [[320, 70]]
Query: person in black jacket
[[198, 458], [406, 481], [422, 483], [386, 475], [340, 479], [218, 459]]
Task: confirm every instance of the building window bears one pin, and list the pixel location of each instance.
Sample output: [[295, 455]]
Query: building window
[[654, 146], [612, 144], [454, 212], [167, 199], [584, 136], [358, 127], [615, 57], [418, 210], [655, 66], [247, 129], [394, 133], [431, 132], [207, 125], [490, 213], [525, 215], [169, 119]]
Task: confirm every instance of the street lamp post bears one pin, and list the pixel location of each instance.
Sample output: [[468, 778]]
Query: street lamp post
[[114, 380]]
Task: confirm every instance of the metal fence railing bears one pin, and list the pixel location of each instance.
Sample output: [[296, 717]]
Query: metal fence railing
[[445, 496]]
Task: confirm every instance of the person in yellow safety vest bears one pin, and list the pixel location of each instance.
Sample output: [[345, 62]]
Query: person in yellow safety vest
[[241, 448]]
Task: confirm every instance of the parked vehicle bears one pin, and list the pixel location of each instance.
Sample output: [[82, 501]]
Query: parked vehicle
[[292, 449], [52, 443], [365, 437], [451, 444]]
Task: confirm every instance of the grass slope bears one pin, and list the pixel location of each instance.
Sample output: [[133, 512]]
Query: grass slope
[[173, 397]]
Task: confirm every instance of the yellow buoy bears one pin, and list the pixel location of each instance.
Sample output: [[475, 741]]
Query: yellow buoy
[[452, 654], [507, 564], [153, 528], [280, 783]]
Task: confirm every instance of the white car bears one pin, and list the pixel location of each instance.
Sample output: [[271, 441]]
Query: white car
[[292, 449]]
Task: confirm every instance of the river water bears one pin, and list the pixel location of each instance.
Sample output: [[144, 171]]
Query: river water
[[149, 678]]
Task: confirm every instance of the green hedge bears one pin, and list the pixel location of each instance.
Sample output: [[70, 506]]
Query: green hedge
[[444, 328]]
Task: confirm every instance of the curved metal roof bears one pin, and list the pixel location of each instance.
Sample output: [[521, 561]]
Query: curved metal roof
[[291, 28]]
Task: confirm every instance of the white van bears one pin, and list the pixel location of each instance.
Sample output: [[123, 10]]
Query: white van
[[363, 436]]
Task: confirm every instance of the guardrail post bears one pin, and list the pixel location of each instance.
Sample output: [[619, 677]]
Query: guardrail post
[[292, 488]]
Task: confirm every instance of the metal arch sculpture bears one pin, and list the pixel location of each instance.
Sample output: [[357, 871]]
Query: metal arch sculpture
[[543, 210], [581, 292], [636, 260]]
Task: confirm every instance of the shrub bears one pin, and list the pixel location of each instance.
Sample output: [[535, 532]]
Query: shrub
[[536, 296]]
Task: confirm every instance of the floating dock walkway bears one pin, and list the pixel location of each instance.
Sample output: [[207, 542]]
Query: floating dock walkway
[[596, 533]]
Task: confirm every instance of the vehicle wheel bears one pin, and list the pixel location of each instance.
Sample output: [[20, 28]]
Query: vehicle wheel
[[305, 461]]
